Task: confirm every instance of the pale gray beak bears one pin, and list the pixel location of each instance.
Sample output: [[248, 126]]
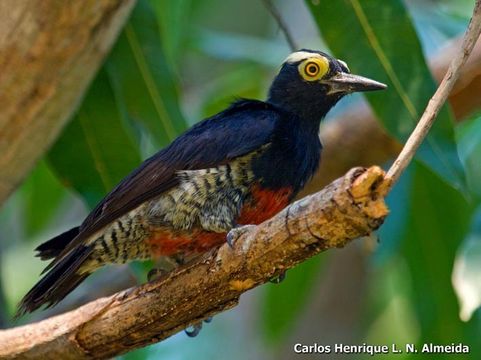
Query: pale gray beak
[[348, 83]]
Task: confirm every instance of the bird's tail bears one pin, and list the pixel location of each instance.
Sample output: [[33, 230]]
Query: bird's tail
[[58, 282], [53, 247]]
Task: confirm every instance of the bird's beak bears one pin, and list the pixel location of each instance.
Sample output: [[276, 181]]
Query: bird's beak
[[348, 83]]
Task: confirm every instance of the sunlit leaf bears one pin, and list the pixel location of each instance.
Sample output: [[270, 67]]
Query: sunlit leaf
[[467, 272], [377, 39], [94, 151], [141, 77]]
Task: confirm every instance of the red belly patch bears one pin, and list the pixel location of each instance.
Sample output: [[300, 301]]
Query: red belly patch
[[167, 242], [263, 205]]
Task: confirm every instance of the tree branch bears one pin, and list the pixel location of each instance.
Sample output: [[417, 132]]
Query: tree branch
[[345, 136], [282, 24], [357, 139], [438, 99], [351, 207], [49, 52]]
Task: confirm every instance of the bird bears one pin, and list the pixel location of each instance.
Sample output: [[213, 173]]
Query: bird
[[238, 167]]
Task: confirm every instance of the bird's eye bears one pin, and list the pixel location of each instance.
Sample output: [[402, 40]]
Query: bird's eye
[[313, 69]]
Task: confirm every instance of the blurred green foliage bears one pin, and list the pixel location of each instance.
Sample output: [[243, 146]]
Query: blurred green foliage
[[142, 78], [384, 45], [282, 304], [469, 144], [95, 150], [176, 62], [41, 178]]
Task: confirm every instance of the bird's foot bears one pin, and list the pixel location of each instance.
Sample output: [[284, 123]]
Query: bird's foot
[[279, 278], [236, 232], [178, 259], [193, 330], [155, 273]]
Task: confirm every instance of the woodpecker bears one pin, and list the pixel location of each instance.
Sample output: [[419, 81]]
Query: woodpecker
[[238, 167]]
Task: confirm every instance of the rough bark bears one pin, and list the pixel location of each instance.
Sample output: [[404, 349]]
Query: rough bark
[[49, 52], [350, 207]]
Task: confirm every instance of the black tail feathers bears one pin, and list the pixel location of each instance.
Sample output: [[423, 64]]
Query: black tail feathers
[[63, 278], [54, 246]]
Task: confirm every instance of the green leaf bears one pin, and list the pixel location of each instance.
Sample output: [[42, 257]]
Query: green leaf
[[283, 302], [94, 151], [377, 39], [142, 79], [392, 231], [231, 46], [468, 134], [42, 194], [138, 354], [243, 82], [437, 221], [173, 19]]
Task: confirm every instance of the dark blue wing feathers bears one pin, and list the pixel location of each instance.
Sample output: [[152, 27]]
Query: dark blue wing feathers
[[243, 127]]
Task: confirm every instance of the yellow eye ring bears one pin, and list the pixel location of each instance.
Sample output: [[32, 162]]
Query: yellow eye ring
[[313, 69]]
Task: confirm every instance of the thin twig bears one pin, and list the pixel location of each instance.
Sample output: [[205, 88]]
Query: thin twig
[[282, 24], [438, 99]]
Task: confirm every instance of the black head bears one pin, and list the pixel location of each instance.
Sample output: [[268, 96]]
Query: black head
[[311, 82]]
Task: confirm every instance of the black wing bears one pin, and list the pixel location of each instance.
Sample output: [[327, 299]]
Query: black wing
[[243, 127]]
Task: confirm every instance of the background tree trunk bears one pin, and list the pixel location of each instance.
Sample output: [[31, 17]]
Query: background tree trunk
[[49, 52]]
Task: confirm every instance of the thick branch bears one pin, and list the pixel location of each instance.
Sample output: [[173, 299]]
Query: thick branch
[[49, 51], [350, 207]]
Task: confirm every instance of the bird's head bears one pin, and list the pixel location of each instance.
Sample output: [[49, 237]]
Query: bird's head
[[310, 83]]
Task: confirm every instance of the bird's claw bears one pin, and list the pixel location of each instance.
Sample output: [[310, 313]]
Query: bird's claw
[[279, 278], [236, 232], [230, 239], [195, 329]]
